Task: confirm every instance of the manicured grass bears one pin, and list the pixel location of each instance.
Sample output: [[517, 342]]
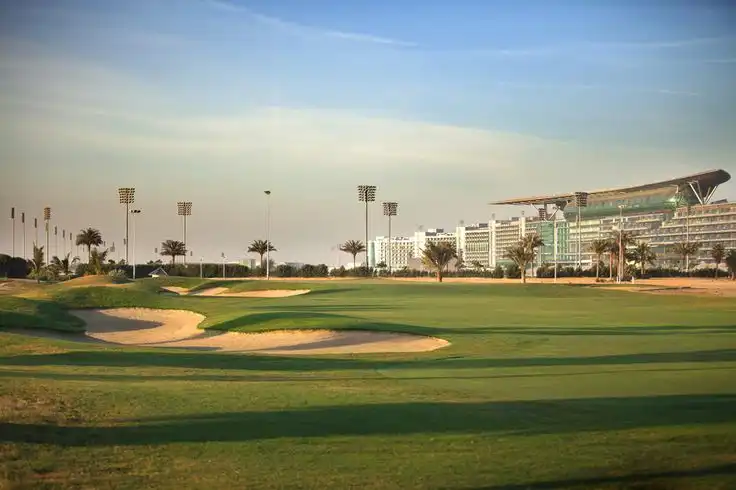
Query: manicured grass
[[543, 387]]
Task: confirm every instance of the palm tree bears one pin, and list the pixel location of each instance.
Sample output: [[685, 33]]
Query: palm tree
[[37, 262], [261, 247], [64, 266], [613, 249], [521, 255], [97, 260], [643, 254], [353, 247], [730, 260], [718, 252], [686, 250], [89, 238], [599, 247], [438, 256], [173, 248]]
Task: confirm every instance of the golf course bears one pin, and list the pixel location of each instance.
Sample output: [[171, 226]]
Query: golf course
[[177, 383]]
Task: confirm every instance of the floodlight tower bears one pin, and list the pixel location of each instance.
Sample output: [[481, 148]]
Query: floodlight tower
[[581, 201], [389, 209], [366, 194], [47, 220], [184, 209], [268, 234], [134, 213], [127, 197], [12, 218], [23, 222], [621, 254]]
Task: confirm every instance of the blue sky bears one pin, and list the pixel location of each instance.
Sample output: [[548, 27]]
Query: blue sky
[[443, 105]]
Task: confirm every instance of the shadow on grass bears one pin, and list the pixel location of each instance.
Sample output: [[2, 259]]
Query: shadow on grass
[[553, 331], [520, 418], [636, 481], [366, 376], [32, 313], [200, 360]]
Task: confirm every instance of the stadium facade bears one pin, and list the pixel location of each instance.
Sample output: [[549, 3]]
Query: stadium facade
[[661, 214]]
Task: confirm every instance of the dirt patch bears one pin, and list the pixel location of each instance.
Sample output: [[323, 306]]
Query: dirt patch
[[267, 293], [222, 292], [178, 329]]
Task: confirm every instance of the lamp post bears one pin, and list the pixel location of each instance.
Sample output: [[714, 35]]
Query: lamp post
[[47, 219], [687, 237], [223, 265], [389, 209], [268, 234], [134, 213], [184, 209], [621, 243], [35, 227], [201, 271], [63, 242], [12, 218], [127, 197], [581, 201], [366, 194], [23, 222]]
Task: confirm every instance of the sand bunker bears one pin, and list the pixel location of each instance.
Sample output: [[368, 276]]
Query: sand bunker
[[176, 328], [222, 292]]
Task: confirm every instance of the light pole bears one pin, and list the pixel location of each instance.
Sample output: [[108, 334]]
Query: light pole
[[63, 242], [581, 201], [35, 227], [127, 197], [201, 271], [12, 218], [223, 265], [687, 237], [389, 209], [23, 222], [134, 213], [47, 219], [56, 240], [366, 194], [621, 243], [268, 234], [184, 209]]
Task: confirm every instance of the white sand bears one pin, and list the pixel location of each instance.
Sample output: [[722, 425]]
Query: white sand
[[176, 328], [222, 292]]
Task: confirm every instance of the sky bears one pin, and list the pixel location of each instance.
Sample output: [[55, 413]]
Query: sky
[[443, 105]]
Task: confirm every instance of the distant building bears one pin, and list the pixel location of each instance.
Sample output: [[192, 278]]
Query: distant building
[[661, 214]]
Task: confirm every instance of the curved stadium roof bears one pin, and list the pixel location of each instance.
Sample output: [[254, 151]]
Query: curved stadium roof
[[706, 181]]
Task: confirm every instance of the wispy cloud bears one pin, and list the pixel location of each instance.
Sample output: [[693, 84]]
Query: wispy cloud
[[295, 28], [594, 87], [660, 44]]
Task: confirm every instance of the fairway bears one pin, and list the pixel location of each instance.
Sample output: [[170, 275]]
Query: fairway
[[541, 386]]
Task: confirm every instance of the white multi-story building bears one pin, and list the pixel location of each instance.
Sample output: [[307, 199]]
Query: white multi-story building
[[396, 254], [473, 244]]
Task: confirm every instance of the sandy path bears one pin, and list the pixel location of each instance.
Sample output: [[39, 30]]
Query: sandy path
[[177, 328], [222, 292]]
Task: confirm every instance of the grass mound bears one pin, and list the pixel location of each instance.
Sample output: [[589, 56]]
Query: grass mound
[[31, 313], [85, 281]]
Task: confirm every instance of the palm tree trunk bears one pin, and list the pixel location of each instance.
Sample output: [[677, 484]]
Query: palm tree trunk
[[598, 268], [523, 275], [354, 263], [610, 267], [439, 275]]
